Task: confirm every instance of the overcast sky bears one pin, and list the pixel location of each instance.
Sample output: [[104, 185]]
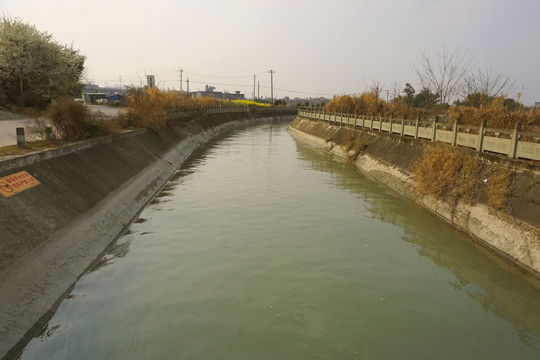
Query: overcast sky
[[317, 48]]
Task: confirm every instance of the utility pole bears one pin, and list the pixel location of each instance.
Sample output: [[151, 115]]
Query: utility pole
[[187, 86], [254, 79], [181, 71], [258, 90], [271, 86]]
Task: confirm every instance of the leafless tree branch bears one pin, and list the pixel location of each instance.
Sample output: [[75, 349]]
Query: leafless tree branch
[[442, 71], [488, 83]]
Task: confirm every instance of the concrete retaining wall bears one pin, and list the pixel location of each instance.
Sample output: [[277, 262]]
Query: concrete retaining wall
[[89, 194]]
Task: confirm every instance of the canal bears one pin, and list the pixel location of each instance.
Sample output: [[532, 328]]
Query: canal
[[261, 247]]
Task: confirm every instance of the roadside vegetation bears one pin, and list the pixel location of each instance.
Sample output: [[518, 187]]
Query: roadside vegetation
[[72, 121], [148, 107], [500, 112]]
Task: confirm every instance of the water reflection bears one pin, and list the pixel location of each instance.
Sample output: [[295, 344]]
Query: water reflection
[[485, 278], [47, 331], [118, 251]]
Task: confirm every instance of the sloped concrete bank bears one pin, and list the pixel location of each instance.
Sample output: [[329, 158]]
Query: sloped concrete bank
[[390, 159], [89, 194]]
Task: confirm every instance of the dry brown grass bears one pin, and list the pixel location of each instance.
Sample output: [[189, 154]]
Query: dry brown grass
[[148, 107], [495, 112], [353, 142], [447, 173], [359, 104], [497, 190], [368, 103], [71, 121], [497, 116], [348, 140]]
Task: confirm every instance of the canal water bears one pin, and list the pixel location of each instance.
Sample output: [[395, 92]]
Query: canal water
[[261, 247]]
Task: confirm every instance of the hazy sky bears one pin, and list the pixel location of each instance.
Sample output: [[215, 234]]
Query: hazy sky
[[317, 48]]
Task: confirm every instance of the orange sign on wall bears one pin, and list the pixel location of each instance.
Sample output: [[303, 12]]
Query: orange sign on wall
[[16, 183]]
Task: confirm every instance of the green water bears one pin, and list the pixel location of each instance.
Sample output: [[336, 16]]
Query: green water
[[263, 248]]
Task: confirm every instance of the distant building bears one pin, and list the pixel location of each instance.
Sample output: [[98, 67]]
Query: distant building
[[218, 95], [115, 97], [537, 104], [107, 90], [92, 98], [236, 96], [208, 92]]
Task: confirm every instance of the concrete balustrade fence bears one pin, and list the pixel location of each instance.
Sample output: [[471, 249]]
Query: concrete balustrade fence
[[513, 143]]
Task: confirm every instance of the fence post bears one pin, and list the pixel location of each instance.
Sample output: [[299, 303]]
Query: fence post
[[480, 143], [391, 123], [403, 124], [416, 126], [380, 123], [20, 138], [371, 126], [434, 134], [455, 132], [515, 140]]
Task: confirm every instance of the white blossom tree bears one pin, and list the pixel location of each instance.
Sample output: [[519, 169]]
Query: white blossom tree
[[33, 64]]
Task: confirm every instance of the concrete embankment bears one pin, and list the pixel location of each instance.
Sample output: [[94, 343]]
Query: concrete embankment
[[514, 234], [88, 195]]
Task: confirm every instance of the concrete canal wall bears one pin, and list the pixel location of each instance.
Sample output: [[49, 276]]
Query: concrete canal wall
[[88, 195], [390, 159]]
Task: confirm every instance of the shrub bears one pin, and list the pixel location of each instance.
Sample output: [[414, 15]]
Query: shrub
[[499, 112], [68, 119], [148, 106], [368, 103], [71, 120], [447, 173], [497, 190]]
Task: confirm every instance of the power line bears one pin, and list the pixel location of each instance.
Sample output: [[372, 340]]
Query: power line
[[224, 77], [299, 92]]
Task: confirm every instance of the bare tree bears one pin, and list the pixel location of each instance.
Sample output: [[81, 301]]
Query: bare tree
[[487, 83], [396, 89], [375, 88], [442, 71]]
